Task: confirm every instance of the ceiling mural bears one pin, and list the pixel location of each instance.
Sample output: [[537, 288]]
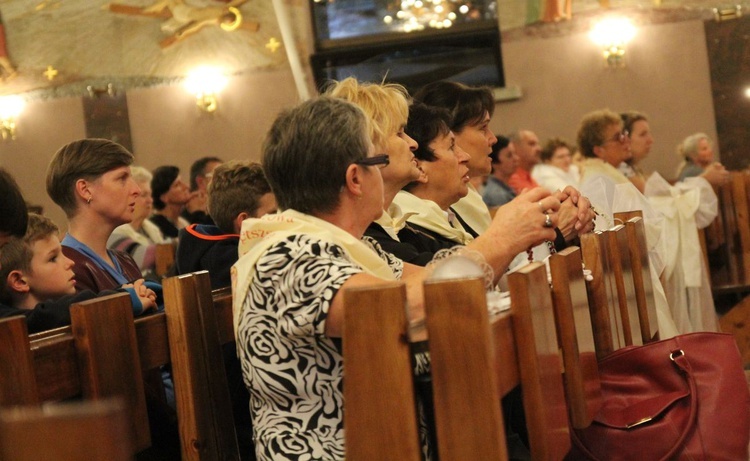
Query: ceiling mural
[[53, 47]]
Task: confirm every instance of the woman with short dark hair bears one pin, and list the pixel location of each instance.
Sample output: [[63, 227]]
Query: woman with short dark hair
[[90, 180]]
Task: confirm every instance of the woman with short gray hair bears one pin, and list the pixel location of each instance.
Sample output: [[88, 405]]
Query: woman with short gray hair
[[325, 173]]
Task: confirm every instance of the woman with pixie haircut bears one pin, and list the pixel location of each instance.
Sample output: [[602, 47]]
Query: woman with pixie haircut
[[90, 180]]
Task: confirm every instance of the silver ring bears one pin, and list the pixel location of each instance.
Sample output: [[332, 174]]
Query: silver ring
[[547, 221]]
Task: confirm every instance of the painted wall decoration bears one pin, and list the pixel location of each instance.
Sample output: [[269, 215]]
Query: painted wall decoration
[[58, 47]]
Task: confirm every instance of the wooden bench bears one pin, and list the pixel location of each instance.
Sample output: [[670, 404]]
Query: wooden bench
[[576, 337], [204, 409], [606, 319], [105, 352], [642, 281], [96, 358], [476, 360], [622, 280], [80, 431], [728, 238], [165, 257], [380, 418]]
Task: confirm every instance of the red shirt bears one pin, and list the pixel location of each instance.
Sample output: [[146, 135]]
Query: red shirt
[[521, 180]]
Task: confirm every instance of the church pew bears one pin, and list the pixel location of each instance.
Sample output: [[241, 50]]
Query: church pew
[[465, 380], [165, 256], [95, 358], [622, 280], [730, 261], [204, 410], [380, 419], [476, 360], [79, 431], [539, 362], [52, 368], [644, 289], [575, 336], [605, 313]]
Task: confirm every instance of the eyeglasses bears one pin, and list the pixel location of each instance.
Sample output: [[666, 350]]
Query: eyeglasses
[[381, 161], [620, 137]]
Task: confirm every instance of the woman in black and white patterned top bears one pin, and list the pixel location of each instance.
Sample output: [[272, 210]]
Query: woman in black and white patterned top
[[325, 173]]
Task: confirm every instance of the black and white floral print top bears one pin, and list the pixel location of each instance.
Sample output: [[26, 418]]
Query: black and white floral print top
[[293, 371]]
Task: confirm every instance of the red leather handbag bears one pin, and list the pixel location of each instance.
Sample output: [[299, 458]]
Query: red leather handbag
[[681, 398]]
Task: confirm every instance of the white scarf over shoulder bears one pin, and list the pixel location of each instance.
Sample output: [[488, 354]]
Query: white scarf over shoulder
[[259, 234], [474, 211], [429, 215]]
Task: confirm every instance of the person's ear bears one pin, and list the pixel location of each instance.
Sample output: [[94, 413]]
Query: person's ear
[[82, 189], [238, 221], [17, 282], [354, 180], [423, 177]]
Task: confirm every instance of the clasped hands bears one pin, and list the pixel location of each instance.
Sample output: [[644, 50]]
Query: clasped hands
[[146, 295], [525, 218]]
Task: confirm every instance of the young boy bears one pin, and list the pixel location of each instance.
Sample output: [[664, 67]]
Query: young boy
[[37, 278], [237, 191]]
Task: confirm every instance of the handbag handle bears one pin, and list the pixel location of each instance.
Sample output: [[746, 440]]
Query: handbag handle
[[678, 358]]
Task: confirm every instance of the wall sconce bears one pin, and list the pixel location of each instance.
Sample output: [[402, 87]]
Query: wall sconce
[[725, 14], [205, 83], [612, 34], [10, 108]]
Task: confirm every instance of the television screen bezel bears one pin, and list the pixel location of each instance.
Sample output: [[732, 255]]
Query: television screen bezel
[[354, 50]]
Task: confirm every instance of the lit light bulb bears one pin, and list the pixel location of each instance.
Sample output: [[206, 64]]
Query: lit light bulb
[[205, 83]]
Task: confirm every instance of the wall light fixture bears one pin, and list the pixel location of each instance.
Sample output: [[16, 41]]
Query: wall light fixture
[[205, 83], [612, 34], [10, 108]]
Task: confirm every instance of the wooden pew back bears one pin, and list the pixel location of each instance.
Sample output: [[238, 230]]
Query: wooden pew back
[[96, 358], [622, 279], [464, 372], [539, 362], [165, 257], [728, 237], [470, 371], [204, 409], [81, 431], [606, 319], [576, 337], [380, 420], [644, 288]]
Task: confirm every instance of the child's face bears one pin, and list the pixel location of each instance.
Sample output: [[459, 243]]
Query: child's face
[[51, 275]]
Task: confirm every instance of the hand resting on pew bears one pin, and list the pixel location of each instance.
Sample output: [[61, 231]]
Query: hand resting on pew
[[142, 297]]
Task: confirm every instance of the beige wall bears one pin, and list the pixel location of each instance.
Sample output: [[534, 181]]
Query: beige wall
[[166, 128], [561, 79]]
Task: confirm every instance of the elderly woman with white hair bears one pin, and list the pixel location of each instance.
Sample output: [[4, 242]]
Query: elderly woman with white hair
[[139, 237], [697, 152]]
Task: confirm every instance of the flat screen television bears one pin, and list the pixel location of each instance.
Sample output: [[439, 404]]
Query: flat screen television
[[353, 40]]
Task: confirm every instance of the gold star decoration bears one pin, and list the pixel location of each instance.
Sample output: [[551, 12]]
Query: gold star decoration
[[273, 45], [50, 73]]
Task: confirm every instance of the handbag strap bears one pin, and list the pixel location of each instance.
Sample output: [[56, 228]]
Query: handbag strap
[[683, 365]]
